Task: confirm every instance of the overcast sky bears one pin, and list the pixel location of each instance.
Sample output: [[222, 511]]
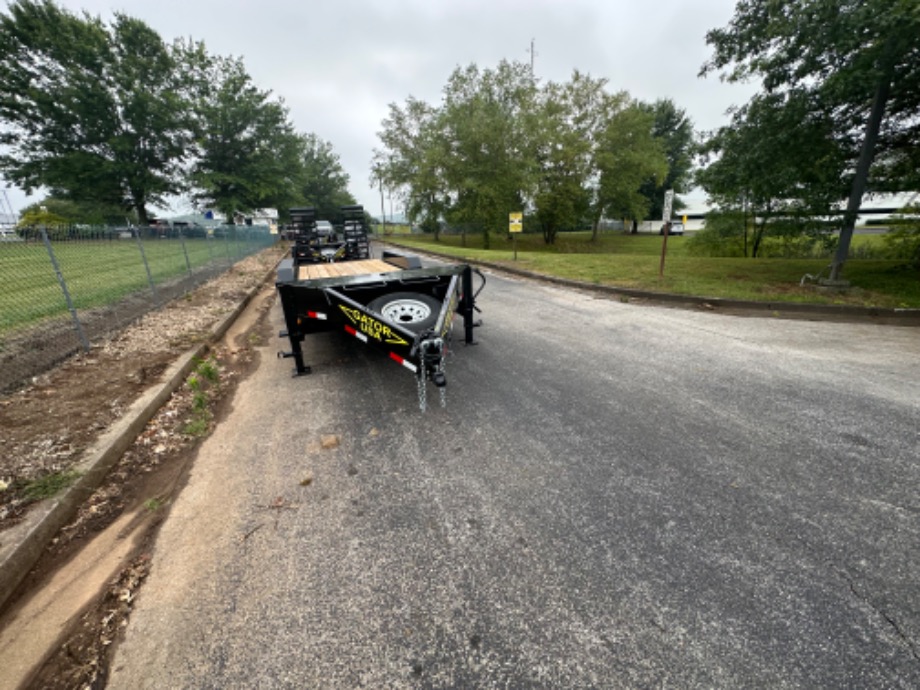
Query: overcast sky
[[338, 64]]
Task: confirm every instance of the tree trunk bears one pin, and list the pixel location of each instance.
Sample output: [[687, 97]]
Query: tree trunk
[[140, 206], [866, 155]]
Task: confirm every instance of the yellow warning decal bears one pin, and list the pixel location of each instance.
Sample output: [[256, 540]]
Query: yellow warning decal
[[372, 327]]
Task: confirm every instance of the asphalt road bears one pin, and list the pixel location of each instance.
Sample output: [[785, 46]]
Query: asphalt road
[[615, 496]]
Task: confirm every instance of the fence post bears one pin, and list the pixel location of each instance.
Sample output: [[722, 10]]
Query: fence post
[[60, 276], [188, 264], [140, 246]]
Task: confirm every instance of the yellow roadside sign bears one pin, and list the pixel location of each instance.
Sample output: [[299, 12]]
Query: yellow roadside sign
[[516, 222]]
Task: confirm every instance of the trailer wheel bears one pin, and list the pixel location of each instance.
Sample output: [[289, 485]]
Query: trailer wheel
[[412, 310]]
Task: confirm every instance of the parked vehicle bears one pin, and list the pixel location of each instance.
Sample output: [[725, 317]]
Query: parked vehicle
[[325, 230], [676, 228]]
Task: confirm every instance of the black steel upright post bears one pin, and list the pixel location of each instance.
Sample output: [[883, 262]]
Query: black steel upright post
[[467, 305]]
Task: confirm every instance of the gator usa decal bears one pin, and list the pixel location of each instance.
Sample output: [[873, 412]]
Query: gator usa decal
[[372, 327]]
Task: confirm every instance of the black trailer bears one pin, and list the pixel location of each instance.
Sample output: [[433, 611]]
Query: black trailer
[[393, 304]]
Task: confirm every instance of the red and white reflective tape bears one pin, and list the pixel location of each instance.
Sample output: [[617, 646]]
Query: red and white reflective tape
[[359, 336], [399, 360], [396, 358], [316, 315]]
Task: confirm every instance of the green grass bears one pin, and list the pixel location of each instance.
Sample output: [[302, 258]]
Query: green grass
[[632, 261], [97, 273], [154, 504]]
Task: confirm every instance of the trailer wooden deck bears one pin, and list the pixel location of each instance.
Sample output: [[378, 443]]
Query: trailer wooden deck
[[344, 268]]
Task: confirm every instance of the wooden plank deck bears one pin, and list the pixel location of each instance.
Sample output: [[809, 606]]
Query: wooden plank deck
[[345, 268]]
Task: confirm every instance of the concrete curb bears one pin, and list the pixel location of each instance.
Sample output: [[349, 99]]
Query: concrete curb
[[784, 310], [22, 545]]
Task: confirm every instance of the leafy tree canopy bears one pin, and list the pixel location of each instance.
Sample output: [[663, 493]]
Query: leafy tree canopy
[[90, 110], [499, 142], [674, 129], [248, 155], [859, 63], [108, 116], [322, 181]]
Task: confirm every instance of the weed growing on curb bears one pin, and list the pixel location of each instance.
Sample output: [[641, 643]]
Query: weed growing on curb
[[207, 369], [49, 485], [205, 376], [153, 504]]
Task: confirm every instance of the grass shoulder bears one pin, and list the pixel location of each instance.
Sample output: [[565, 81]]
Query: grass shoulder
[[633, 261]]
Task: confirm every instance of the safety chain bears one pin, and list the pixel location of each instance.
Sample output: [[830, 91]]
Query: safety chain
[[422, 389], [423, 374]]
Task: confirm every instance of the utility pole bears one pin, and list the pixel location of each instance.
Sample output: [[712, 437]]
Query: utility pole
[[383, 212], [533, 53]]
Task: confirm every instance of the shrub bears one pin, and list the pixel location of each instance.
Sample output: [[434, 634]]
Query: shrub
[[902, 242]]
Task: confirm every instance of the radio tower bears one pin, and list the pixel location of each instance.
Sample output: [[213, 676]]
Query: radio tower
[[533, 54], [6, 209]]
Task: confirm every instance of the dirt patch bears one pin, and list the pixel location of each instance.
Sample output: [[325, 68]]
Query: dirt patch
[[31, 353], [47, 426]]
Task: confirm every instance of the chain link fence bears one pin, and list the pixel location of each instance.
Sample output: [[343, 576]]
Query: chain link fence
[[61, 290]]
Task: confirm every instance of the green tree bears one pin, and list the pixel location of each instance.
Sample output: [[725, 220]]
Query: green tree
[[675, 130], [248, 155], [859, 59], [487, 127], [499, 143], [903, 240], [50, 213], [777, 159], [628, 156], [323, 182], [93, 112], [68, 212], [568, 128], [413, 162]]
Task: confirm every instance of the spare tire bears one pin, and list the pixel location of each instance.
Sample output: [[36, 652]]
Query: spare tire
[[414, 311]]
